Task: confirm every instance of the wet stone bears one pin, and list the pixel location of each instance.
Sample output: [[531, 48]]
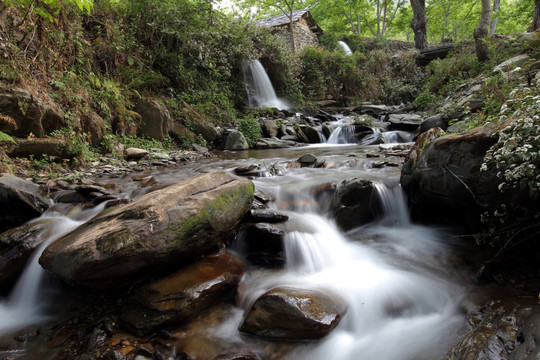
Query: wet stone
[[293, 314], [268, 216], [307, 159]]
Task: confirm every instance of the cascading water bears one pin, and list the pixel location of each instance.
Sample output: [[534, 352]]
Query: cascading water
[[30, 297], [399, 308], [345, 48], [259, 87], [343, 132]]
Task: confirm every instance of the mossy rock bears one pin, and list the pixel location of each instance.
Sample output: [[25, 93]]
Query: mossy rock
[[166, 227]]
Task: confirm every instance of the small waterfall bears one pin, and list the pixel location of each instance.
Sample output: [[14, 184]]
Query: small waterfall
[[400, 307], [343, 133], [345, 48], [30, 296], [259, 87], [394, 204]]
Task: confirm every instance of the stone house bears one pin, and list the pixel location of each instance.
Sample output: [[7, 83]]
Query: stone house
[[305, 29]]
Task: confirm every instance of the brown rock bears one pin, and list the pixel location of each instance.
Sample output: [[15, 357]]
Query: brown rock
[[184, 294], [171, 225], [293, 314], [94, 126], [156, 121]]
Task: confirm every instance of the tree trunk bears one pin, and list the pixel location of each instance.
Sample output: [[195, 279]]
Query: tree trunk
[[493, 26], [536, 17], [291, 26], [418, 24], [481, 32]]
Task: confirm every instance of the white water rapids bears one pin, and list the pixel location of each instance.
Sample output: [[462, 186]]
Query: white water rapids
[[397, 278], [401, 305]]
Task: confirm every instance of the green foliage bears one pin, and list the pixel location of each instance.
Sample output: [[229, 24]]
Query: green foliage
[[5, 138], [146, 143], [376, 76], [250, 128], [424, 99]]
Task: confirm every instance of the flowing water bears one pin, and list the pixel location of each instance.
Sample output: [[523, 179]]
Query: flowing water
[[259, 88], [29, 300], [345, 48], [402, 301], [397, 278]]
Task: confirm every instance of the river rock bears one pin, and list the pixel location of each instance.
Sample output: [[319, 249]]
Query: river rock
[[20, 201], [183, 294], [311, 133], [16, 247], [135, 153], [235, 140], [171, 225], [443, 182], [293, 314], [269, 216], [269, 128], [265, 237], [274, 143], [405, 122], [355, 203], [156, 121], [433, 122], [307, 159]]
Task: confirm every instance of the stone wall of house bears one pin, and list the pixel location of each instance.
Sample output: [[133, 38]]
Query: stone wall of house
[[303, 36]]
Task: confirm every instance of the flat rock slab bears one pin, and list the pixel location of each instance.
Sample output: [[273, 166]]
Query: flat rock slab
[[171, 225], [293, 314]]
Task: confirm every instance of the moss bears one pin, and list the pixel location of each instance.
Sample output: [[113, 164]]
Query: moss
[[6, 138], [217, 214]]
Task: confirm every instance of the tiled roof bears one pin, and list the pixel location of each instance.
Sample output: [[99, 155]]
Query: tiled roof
[[281, 19]]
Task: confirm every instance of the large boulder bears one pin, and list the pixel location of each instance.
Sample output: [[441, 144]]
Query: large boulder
[[443, 181], [293, 314], [171, 225], [32, 113], [156, 121], [20, 201], [183, 294], [235, 140]]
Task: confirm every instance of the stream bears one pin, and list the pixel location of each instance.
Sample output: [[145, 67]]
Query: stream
[[402, 282]]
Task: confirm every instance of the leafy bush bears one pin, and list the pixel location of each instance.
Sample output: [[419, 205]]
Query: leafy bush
[[250, 128]]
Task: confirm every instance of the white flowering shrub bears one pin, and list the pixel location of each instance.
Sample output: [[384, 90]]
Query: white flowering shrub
[[516, 157]]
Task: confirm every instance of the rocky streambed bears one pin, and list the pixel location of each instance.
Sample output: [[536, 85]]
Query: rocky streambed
[[299, 253]]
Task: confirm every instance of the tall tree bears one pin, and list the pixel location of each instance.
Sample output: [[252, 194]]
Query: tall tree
[[481, 32], [536, 17], [385, 12], [418, 24], [493, 26]]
